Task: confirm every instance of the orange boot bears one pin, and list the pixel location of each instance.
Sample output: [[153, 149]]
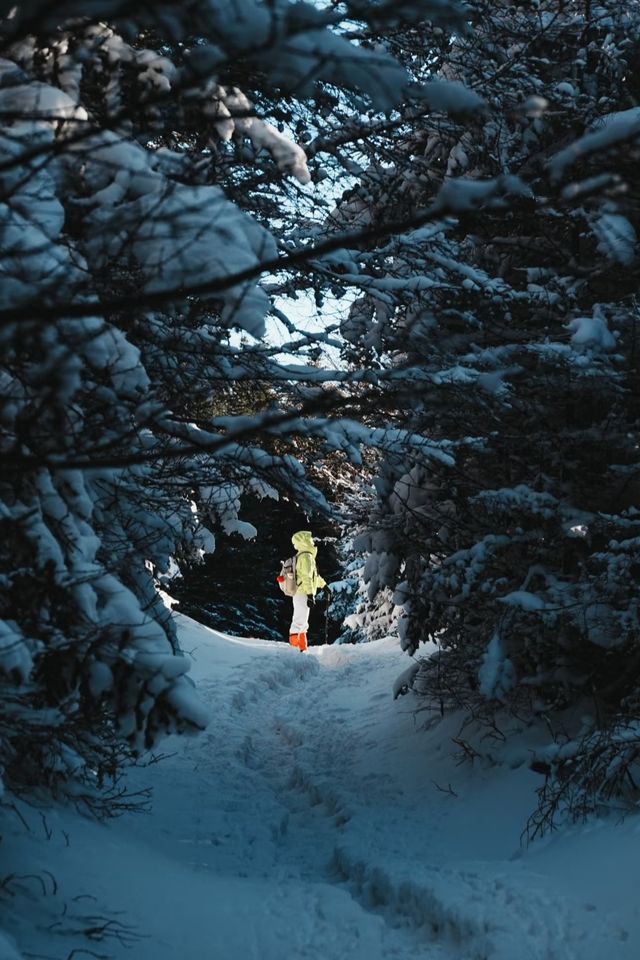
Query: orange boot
[[294, 639], [302, 642]]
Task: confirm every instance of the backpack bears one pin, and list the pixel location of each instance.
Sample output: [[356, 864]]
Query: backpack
[[287, 577]]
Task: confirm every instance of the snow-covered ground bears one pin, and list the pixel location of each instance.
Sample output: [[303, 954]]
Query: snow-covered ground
[[316, 819]]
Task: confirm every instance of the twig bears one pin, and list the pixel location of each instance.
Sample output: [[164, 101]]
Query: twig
[[14, 877], [468, 752], [448, 789], [12, 806], [82, 951]]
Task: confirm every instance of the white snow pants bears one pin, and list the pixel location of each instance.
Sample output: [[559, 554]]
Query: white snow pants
[[300, 619]]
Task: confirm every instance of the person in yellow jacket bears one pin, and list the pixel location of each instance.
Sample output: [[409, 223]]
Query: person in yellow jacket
[[308, 582]]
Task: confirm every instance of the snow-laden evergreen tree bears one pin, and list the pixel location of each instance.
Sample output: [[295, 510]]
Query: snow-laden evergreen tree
[[506, 326], [148, 171]]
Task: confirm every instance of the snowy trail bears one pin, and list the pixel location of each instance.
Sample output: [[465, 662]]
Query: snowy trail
[[262, 788], [312, 782], [305, 824]]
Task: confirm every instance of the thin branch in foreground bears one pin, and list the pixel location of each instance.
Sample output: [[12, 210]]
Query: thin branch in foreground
[[300, 259]]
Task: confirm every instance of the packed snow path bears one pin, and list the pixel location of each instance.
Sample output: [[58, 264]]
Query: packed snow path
[[315, 819]]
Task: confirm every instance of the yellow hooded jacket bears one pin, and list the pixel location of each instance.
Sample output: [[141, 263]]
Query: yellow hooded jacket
[[308, 580]]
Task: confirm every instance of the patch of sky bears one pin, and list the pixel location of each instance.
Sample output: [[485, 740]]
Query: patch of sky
[[301, 324]]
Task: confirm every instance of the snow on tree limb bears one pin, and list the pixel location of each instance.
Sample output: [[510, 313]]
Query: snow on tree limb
[[604, 133], [123, 161]]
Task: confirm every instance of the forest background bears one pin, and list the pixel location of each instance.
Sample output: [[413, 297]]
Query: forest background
[[456, 187]]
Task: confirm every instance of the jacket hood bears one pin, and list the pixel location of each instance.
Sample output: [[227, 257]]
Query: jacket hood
[[302, 540]]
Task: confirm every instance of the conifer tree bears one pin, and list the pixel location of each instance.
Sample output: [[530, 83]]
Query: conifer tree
[[148, 179], [507, 326]]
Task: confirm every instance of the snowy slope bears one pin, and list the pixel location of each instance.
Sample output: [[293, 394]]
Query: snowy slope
[[306, 823]]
